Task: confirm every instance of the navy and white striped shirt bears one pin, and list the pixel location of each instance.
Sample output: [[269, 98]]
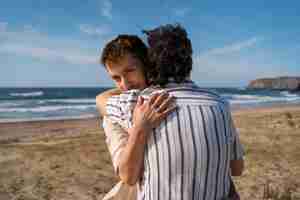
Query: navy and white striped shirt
[[187, 157]]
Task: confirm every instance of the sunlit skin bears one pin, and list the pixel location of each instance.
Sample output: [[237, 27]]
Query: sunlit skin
[[127, 73]]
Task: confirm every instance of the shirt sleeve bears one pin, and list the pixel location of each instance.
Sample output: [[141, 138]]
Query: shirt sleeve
[[120, 108], [237, 150], [116, 138]]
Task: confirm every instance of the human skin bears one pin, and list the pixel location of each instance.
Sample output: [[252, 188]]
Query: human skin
[[127, 74]]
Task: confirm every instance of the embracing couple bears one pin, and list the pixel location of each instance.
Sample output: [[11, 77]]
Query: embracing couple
[[168, 138]]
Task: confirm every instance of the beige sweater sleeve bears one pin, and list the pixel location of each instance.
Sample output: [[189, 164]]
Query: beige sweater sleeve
[[116, 138]]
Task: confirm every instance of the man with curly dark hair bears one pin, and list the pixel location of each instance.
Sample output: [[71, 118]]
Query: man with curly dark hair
[[192, 153]]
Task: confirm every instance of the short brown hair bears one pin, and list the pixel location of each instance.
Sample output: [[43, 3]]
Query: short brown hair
[[122, 45]]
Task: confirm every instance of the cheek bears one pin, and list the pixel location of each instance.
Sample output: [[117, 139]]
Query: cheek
[[137, 78], [140, 76]]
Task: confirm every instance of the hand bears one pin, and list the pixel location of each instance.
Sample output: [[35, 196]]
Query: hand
[[149, 114]]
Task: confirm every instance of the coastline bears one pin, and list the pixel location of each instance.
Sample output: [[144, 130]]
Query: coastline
[[234, 109], [68, 158], [68, 127]]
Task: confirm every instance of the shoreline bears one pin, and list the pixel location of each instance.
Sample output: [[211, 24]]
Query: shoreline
[[15, 131], [234, 109]]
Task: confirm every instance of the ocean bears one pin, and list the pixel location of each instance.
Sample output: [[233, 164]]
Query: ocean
[[29, 104]]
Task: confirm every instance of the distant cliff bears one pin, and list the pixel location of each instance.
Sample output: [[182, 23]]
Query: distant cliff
[[287, 83]]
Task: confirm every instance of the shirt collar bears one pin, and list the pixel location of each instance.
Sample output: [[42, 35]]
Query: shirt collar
[[186, 83]]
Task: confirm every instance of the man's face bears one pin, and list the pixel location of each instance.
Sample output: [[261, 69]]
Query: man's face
[[127, 73]]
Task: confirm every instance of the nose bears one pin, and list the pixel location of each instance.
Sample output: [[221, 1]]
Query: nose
[[126, 84]]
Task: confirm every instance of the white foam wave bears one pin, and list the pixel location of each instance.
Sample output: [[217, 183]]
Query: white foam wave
[[288, 94], [48, 108], [8, 104], [256, 99], [27, 94], [241, 96], [85, 116], [72, 100]]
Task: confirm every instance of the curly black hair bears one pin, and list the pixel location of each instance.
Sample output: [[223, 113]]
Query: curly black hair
[[170, 54]]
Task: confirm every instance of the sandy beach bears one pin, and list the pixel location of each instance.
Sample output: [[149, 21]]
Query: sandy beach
[[68, 159]]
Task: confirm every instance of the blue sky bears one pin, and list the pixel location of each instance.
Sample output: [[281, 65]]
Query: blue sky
[[58, 43]]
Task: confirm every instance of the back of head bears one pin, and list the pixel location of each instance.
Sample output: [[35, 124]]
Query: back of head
[[170, 54], [122, 45]]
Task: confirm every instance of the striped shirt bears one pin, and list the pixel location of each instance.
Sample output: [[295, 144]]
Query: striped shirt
[[187, 156]]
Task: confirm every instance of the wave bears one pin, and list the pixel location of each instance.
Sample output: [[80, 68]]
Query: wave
[[84, 116], [27, 94], [46, 102], [288, 94], [256, 99], [8, 104], [48, 108], [241, 96], [71, 100]]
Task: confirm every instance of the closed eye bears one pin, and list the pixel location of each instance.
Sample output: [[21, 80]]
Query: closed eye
[[116, 78], [130, 70]]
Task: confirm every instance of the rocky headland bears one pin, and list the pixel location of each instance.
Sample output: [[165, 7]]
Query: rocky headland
[[281, 83]]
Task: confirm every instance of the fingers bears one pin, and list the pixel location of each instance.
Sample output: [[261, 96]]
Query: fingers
[[154, 111], [168, 111], [166, 103], [159, 117], [153, 98], [160, 99], [140, 101]]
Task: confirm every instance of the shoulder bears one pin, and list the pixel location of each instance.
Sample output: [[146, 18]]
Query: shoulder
[[100, 103], [102, 98], [119, 108], [122, 101], [125, 98]]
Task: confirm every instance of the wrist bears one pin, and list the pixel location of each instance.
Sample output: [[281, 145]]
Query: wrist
[[139, 130], [143, 127]]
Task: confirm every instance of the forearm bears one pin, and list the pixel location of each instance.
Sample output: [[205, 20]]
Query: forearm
[[132, 157], [237, 167]]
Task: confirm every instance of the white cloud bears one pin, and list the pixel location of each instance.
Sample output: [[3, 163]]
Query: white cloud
[[236, 47], [181, 12], [29, 42], [106, 8], [3, 26], [49, 54], [94, 31], [29, 28], [229, 72], [225, 66]]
